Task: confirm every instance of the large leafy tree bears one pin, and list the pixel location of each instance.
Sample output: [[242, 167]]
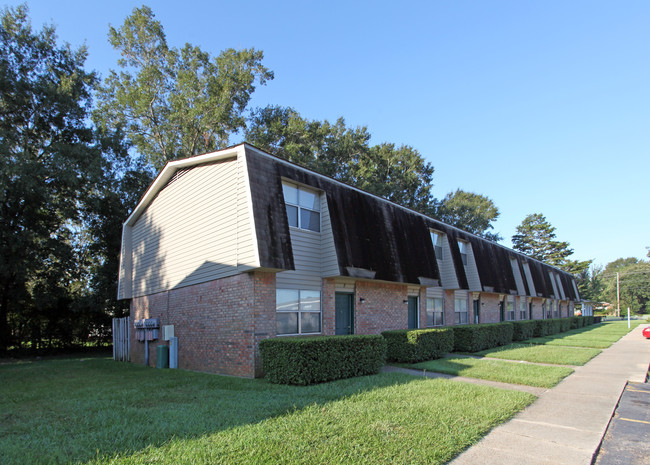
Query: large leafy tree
[[634, 284], [536, 238], [398, 173], [471, 212], [50, 158], [173, 103]]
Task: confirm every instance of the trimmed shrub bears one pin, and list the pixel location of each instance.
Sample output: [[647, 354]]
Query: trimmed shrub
[[318, 359], [590, 320], [547, 327], [565, 324], [523, 329], [577, 322], [473, 338], [418, 345]]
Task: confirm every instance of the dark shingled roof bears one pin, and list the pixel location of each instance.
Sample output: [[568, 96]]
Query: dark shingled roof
[[377, 235]]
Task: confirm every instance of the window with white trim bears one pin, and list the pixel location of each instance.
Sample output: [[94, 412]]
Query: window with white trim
[[549, 309], [303, 207], [462, 246], [436, 239], [510, 309], [297, 311], [460, 308], [523, 309], [435, 312]]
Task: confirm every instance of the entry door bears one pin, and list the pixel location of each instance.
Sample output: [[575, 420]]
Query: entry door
[[477, 308], [502, 311], [530, 311], [344, 314], [413, 312]]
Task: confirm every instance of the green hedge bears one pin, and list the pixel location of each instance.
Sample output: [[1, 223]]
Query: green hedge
[[577, 322], [418, 345], [472, 338], [318, 359], [523, 329]]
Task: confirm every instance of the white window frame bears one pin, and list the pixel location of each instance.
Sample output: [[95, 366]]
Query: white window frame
[[431, 310], [523, 308], [300, 311], [300, 208], [461, 317], [437, 243], [510, 309], [462, 247]]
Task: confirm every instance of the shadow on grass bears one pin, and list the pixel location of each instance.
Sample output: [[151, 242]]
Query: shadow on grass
[[79, 410]]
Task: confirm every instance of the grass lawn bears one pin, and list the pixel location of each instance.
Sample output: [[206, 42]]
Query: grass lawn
[[100, 411], [599, 336], [495, 370], [557, 355]]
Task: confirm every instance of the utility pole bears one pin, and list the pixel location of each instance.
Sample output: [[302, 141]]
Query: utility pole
[[618, 298]]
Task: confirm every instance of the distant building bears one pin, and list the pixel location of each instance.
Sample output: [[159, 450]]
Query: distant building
[[238, 245]]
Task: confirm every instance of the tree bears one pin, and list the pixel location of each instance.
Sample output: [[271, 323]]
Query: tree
[[634, 284], [470, 212], [535, 237], [50, 158], [399, 174], [175, 103]]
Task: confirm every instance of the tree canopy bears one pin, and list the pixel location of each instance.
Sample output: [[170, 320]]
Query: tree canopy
[[535, 237], [471, 212], [51, 159], [397, 173], [174, 103]]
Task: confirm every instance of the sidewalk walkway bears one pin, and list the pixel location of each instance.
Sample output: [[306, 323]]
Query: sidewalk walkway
[[566, 424]]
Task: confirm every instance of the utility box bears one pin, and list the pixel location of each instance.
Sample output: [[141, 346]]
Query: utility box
[[167, 332], [162, 359]]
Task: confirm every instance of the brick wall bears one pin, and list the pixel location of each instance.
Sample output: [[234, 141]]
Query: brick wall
[[218, 323], [490, 308], [383, 309]]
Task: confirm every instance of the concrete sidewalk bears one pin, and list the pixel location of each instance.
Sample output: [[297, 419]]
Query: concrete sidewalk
[[567, 423]]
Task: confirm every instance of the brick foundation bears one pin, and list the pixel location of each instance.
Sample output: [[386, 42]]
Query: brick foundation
[[218, 324]]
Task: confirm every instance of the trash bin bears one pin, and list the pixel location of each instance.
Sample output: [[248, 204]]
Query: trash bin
[[162, 358]]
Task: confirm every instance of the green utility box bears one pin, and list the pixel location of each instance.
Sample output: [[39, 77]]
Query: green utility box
[[162, 358]]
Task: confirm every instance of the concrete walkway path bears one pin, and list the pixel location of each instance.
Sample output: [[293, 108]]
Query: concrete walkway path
[[567, 423]]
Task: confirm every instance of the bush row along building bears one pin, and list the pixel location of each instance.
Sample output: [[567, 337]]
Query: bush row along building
[[238, 245]]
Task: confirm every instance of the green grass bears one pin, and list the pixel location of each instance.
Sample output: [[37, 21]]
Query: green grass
[[100, 411], [542, 354], [599, 336], [495, 370]]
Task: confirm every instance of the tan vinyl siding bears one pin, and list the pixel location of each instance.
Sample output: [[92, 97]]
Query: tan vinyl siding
[[307, 261], [471, 270], [560, 288], [125, 283], [556, 294], [188, 234], [435, 292], [247, 257], [529, 280], [329, 260], [521, 289], [448, 276]]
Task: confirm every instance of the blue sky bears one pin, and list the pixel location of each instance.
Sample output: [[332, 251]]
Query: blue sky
[[543, 106]]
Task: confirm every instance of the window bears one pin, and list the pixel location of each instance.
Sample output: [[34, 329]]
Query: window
[[303, 207], [510, 309], [463, 251], [549, 309], [460, 307], [436, 239], [297, 312], [522, 308], [435, 312]]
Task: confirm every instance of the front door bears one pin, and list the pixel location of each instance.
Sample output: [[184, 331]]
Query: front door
[[477, 307], [502, 311], [530, 311], [344, 314], [413, 312]]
